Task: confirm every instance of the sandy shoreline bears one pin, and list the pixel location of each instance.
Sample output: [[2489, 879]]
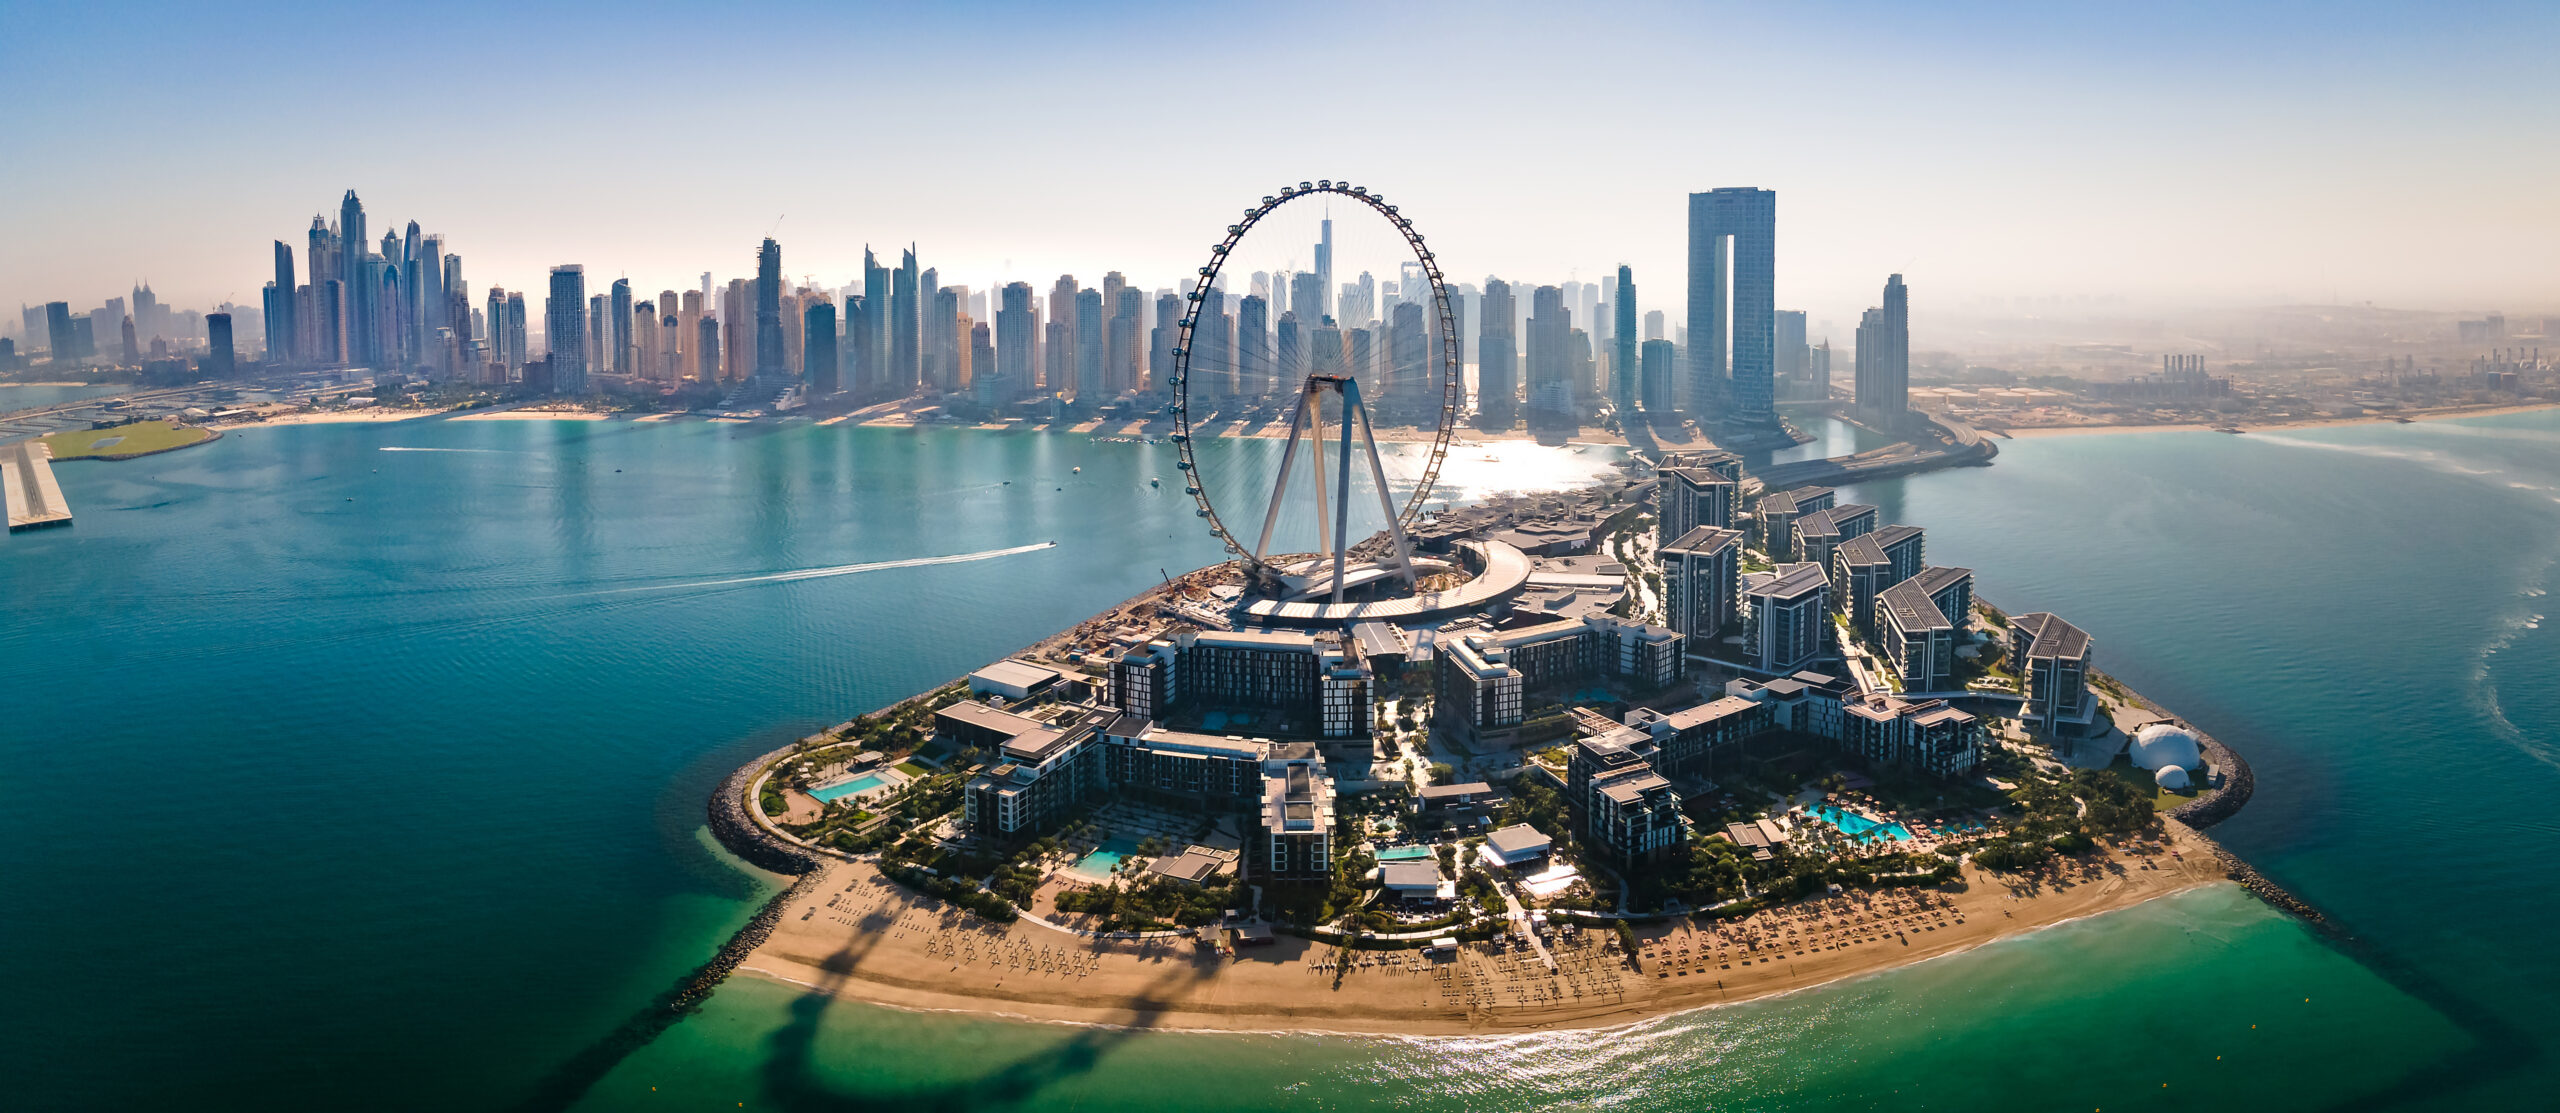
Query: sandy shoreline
[[2277, 426], [855, 935]]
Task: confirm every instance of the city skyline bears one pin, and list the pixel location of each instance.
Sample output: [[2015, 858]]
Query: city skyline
[[2183, 202]]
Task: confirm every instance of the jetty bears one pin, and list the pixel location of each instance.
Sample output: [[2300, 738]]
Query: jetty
[[35, 500]]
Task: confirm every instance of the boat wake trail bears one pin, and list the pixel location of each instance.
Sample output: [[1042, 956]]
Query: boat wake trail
[[837, 570]]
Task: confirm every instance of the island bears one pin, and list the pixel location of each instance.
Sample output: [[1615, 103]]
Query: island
[[1668, 742]]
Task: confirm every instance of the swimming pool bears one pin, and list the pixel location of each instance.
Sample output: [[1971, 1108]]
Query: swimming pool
[[1404, 853], [1858, 826], [854, 787], [1099, 863]]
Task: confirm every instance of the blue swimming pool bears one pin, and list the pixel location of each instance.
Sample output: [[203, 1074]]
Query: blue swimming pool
[[1099, 863], [854, 787], [1404, 853], [1858, 826]]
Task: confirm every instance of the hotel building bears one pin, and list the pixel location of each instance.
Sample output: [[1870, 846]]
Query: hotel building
[[1701, 583], [1784, 623], [1778, 514], [2052, 659]]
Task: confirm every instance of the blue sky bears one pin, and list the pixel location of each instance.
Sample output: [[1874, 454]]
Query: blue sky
[[2174, 152]]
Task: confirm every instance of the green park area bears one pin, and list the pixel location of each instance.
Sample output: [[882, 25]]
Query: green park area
[[125, 441]]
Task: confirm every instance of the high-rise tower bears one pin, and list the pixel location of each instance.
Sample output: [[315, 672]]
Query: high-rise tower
[[1883, 358], [1624, 372], [1732, 304], [283, 333], [621, 324], [770, 359], [1497, 358], [564, 329], [362, 346]]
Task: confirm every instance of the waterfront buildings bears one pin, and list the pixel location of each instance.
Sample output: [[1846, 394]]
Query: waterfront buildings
[[1819, 532], [1918, 639], [1701, 584], [1883, 358], [565, 326], [1777, 514], [1497, 354], [1623, 367], [1862, 567], [2051, 657], [1785, 621], [1732, 305], [1487, 684]]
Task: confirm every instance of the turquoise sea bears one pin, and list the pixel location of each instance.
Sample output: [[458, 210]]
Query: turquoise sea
[[362, 766]]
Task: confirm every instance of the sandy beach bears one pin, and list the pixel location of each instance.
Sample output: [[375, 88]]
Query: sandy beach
[[854, 934], [343, 417], [2272, 426]]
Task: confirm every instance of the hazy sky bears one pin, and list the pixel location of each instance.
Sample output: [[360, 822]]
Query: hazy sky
[[2399, 153]]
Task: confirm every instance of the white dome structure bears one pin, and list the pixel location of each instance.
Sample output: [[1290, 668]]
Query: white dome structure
[[2163, 746], [2173, 778]]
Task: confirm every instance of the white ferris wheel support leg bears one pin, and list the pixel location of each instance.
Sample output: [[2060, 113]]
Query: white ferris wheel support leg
[[1342, 496], [1280, 490], [1386, 503], [1315, 428]]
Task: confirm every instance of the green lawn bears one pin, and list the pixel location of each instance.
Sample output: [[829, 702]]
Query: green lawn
[[124, 440], [2161, 799]]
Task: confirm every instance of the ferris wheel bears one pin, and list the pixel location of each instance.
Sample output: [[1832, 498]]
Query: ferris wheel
[[1309, 415]]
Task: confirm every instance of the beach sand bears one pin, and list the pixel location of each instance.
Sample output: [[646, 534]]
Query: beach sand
[[343, 417], [2273, 426], [858, 936]]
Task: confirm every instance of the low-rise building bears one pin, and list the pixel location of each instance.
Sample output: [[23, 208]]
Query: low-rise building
[[1040, 775], [1297, 814], [1926, 736], [1308, 678], [1518, 845], [1628, 812], [1014, 680], [1485, 679]]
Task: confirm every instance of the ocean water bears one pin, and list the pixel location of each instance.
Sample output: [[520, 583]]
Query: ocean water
[[22, 396], [362, 766]]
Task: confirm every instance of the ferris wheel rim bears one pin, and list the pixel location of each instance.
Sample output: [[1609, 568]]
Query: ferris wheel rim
[[1452, 390]]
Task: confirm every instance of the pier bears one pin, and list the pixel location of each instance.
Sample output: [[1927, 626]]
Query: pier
[[35, 500]]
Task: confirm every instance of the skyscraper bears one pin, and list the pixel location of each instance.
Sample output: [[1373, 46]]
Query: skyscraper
[[1623, 368], [1321, 305], [706, 349], [219, 362], [1884, 357], [282, 334], [564, 328], [1660, 357], [1306, 293], [1732, 303], [906, 312], [363, 345], [1253, 346], [1091, 339], [620, 307], [818, 336], [1014, 324], [1790, 355], [949, 347], [1497, 358], [770, 359], [1549, 364], [872, 349]]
